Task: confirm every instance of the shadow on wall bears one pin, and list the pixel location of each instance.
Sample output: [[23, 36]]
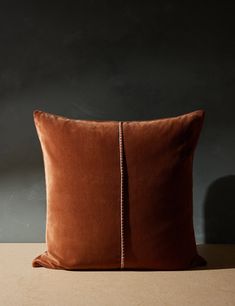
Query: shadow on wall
[[219, 207]]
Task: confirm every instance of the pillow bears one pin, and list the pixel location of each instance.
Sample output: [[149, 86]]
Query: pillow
[[119, 193]]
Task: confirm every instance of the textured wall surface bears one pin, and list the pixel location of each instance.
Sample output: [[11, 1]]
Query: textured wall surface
[[116, 61]]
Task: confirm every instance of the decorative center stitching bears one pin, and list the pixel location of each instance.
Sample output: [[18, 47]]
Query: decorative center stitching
[[121, 195]]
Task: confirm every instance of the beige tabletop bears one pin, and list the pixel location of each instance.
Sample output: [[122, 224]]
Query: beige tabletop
[[22, 285]]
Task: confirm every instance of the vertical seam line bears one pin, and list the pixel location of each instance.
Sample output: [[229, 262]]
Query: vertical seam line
[[122, 246]]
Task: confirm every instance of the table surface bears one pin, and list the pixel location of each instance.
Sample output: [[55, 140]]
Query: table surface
[[22, 285]]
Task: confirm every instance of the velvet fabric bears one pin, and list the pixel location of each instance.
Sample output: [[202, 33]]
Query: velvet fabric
[[119, 193]]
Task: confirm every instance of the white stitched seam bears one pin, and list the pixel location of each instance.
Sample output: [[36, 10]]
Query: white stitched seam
[[121, 196]]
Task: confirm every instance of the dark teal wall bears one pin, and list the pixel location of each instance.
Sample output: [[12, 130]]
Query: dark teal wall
[[103, 60]]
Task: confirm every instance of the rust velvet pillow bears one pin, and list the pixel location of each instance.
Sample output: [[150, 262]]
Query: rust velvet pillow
[[119, 193]]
